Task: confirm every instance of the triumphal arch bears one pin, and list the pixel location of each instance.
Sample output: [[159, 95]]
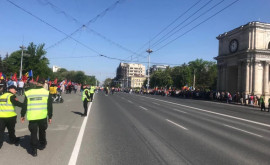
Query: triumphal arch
[[243, 59]]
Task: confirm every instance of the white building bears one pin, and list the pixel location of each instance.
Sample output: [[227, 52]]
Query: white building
[[55, 68], [127, 70], [244, 58]]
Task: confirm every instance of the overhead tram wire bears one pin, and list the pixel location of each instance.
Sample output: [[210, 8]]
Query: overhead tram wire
[[60, 31], [171, 31], [198, 25], [180, 16], [189, 23], [90, 30]]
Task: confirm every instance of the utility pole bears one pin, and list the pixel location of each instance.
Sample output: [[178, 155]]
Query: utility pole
[[148, 70], [22, 47]]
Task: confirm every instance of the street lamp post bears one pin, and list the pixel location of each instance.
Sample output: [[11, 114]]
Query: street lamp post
[[148, 70], [22, 47]]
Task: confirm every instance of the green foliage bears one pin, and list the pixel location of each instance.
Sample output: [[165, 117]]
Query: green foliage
[[179, 76]]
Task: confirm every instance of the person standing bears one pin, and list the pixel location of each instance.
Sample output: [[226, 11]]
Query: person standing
[[85, 99], [262, 103], [38, 107], [21, 87], [92, 91], [8, 116], [45, 86]]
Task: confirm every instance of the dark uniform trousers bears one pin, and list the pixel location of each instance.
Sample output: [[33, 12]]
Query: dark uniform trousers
[[10, 124], [85, 102], [36, 126], [91, 96]]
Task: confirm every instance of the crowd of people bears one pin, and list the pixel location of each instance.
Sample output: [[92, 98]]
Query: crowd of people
[[37, 106], [221, 96]]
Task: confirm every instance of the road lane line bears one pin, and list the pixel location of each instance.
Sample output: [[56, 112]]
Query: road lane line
[[143, 108], [242, 130], [220, 114], [130, 101], [179, 110], [156, 103], [76, 150], [177, 124]]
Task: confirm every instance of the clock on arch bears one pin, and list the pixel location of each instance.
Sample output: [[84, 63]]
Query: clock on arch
[[233, 47]]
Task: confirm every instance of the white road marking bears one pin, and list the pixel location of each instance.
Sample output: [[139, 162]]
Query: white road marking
[[143, 108], [242, 130], [76, 150], [130, 101], [155, 103], [220, 114], [179, 110], [178, 125]]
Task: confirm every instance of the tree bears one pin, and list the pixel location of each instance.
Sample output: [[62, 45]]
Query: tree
[[107, 82]]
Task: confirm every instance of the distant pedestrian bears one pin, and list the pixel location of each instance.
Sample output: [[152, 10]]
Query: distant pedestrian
[[21, 87], [85, 99], [262, 103]]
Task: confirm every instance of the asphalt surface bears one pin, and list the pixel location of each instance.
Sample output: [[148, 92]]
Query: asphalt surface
[[132, 129]]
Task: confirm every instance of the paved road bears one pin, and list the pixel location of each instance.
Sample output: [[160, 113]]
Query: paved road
[[138, 129]]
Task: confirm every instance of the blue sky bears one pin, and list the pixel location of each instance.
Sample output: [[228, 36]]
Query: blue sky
[[126, 30]]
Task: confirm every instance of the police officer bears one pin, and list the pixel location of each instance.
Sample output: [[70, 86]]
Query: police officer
[[92, 91], [38, 107], [85, 99], [8, 116]]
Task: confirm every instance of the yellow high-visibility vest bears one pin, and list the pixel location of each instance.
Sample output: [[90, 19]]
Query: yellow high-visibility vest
[[84, 95], [92, 89], [6, 107], [37, 100]]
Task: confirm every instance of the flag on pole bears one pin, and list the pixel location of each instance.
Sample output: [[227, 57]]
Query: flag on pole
[[55, 81], [14, 77], [37, 78], [30, 73]]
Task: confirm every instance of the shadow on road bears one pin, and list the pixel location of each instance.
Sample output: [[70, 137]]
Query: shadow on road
[[25, 143], [77, 113]]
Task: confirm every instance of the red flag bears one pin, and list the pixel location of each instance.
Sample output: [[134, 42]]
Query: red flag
[[55, 81], [37, 78], [65, 82], [0, 75], [50, 82], [14, 77], [69, 83]]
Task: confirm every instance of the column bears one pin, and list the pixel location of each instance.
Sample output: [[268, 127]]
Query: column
[[224, 78], [266, 78], [247, 79], [239, 78], [255, 77]]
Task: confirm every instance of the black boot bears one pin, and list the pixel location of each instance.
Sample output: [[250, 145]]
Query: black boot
[[34, 152], [16, 141], [42, 146]]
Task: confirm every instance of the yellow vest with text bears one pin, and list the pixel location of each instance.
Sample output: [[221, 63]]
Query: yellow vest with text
[[37, 100], [84, 95], [92, 89], [6, 107]]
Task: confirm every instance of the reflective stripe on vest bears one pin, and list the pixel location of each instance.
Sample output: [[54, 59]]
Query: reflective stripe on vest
[[37, 101], [6, 107], [84, 95]]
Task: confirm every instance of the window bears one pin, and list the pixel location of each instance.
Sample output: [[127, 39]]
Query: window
[[269, 45]]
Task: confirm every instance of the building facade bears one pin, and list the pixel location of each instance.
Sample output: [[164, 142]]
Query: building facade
[[158, 67], [127, 70], [136, 81], [243, 59]]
